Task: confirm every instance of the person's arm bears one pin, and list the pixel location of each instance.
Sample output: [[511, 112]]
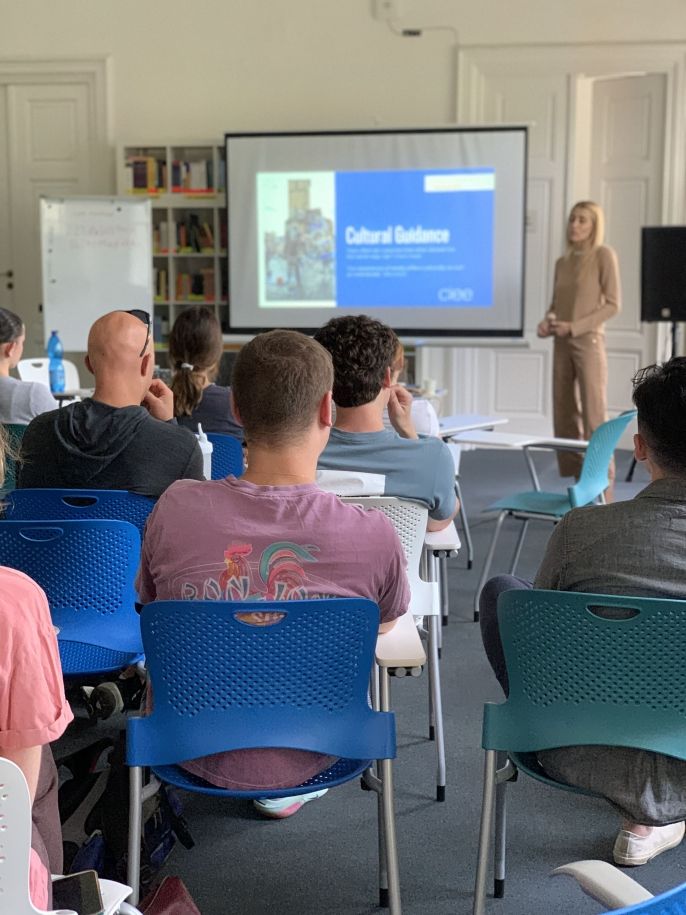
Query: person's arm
[[194, 469], [28, 760], [40, 399], [608, 277], [544, 327], [400, 412], [444, 506]]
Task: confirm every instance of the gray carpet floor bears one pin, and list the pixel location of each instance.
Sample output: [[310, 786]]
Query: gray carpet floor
[[323, 859]]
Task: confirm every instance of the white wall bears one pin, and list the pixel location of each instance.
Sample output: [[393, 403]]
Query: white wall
[[195, 69]]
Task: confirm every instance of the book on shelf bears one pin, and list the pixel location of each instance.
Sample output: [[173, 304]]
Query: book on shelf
[[196, 287], [192, 177], [160, 284], [145, 174]]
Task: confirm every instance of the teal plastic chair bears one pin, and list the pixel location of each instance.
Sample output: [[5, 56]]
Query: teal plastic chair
[[15, 433], [536, 505], [584, 669]]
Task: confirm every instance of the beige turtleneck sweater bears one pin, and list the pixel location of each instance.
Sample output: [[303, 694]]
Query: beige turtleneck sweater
[[586, 289]]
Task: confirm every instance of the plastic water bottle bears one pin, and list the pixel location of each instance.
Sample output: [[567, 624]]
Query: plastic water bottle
[[206, 448], [55, 352]]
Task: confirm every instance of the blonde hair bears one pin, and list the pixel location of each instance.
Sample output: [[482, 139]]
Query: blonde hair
[[597, 218]]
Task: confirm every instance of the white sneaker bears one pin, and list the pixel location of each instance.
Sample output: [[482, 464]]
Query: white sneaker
[[278, 808], [631, 850]]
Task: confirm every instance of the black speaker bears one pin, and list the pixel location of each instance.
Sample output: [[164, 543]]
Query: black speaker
[[663, 273]]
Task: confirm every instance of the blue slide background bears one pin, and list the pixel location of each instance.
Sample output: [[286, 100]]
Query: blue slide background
[[413, 274]]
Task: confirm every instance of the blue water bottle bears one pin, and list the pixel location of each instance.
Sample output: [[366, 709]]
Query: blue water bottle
[[55, 351]]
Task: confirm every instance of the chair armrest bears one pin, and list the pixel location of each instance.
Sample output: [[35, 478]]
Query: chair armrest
[[605, 883], [401, 647], [444, 541]]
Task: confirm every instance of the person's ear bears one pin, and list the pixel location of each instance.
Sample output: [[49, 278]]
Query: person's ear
[[640, 448], [87, 363], [146, 368], [234, 409], [326, 410], [387, 378], [8, 349]]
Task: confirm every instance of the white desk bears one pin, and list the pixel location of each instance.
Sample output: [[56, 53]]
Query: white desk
[[402, 646], [521, 442], [451, 426]]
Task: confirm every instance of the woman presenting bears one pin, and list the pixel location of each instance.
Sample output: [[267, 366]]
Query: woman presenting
[[585, 295]]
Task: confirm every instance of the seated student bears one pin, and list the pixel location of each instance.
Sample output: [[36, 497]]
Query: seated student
[[363, 352], [33, 712], [282, 396], [20, 401], [627, 548], [195, 348], [124, 436]]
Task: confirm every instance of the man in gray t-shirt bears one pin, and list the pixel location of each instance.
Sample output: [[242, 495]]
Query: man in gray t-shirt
[[363, 352]]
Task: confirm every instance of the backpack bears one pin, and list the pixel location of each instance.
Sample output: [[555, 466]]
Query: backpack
[[94, 811]]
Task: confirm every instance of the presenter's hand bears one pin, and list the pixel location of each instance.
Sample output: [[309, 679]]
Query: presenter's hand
[[543, 329], [561, 328], [159, 400], [400, 411]]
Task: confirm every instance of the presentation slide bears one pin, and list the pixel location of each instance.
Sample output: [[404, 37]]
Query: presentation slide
[[430, 250]]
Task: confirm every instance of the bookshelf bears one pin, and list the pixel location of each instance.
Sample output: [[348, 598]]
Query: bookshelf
[[185, 184]]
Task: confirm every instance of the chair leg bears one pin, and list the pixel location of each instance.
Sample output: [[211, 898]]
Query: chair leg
[[443, 583], [500, 836], [387, 823], [431, 669], [437, 705], [381, 834], [464, 521], [485, 832], [487, 564], [133, 872], [518, 548]]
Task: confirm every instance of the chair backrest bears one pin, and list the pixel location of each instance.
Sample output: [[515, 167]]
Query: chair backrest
[[39, 370], [223, 684], [227, 456], [409, 520], [86, 569], [590, 669], [78, 504], [15, 843], [15, 433], [594, 478]]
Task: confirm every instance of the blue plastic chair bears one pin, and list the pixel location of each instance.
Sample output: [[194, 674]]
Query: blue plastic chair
[[301, 683], [579, 678], [536, 505], [227, 456], [86, 569], [78, 504]]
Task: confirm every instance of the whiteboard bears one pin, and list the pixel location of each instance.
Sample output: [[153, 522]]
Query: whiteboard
[[96, 257]]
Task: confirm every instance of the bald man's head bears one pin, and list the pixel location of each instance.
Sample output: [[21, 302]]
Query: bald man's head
[[114, 356]]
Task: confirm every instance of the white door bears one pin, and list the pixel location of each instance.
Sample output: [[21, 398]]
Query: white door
[[626, 175], [55, 144]]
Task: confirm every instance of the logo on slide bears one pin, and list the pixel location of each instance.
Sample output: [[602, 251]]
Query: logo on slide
[[456, 294]]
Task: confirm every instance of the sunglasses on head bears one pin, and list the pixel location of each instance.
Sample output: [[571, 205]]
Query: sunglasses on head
[[145, 318]]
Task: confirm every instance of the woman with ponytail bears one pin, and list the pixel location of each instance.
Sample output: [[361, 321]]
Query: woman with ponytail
[[195, 348], [20, 401]]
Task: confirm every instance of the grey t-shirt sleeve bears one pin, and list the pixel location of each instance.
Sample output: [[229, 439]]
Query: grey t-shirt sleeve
[[41, 400], [444, 485]]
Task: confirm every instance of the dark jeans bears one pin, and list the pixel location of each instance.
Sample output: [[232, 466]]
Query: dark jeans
[[488, 619]]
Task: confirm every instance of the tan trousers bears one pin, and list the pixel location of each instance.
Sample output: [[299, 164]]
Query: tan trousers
[[579, 394]]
